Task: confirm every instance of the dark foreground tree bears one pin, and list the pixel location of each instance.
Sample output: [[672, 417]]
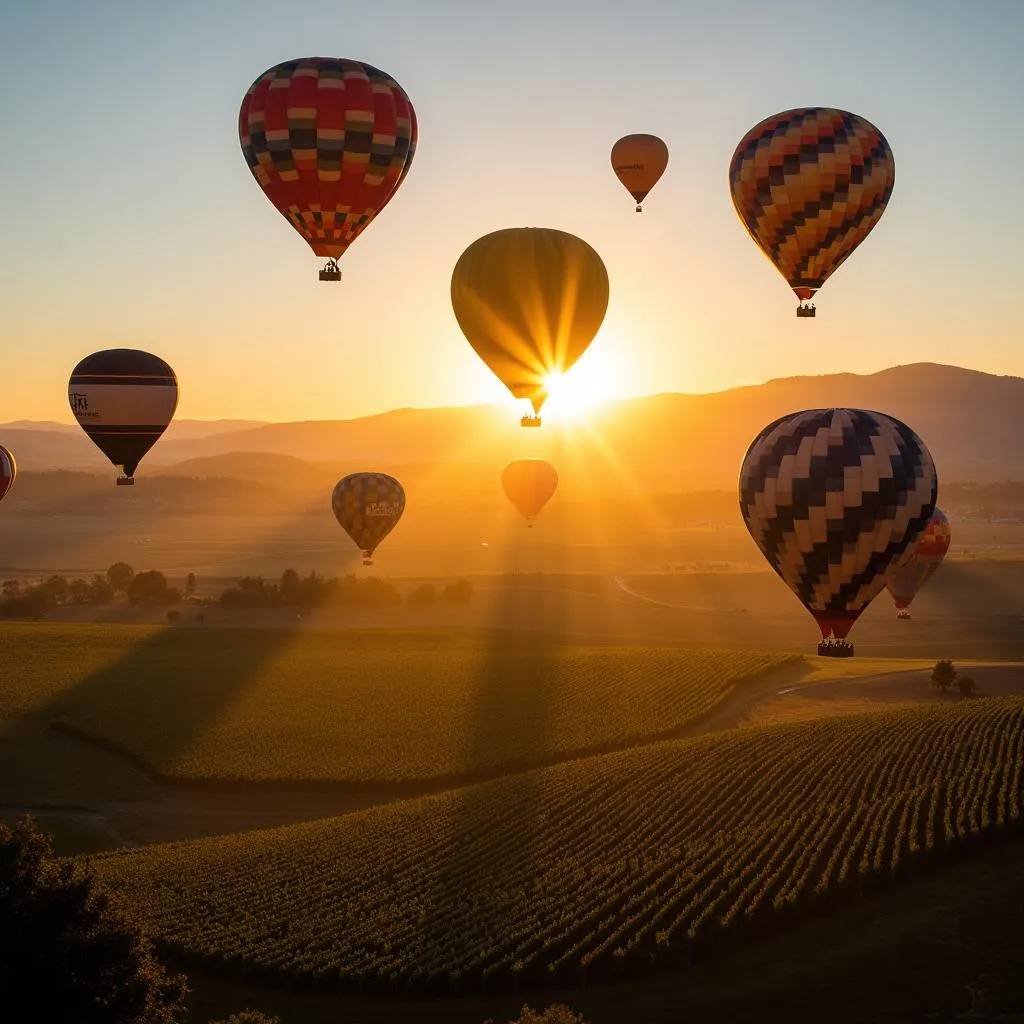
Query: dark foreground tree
[[943, 675], [67, 951], [557, 1014], [248, 1017]]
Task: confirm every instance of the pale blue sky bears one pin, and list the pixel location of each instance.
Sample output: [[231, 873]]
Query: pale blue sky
[[122, 160]]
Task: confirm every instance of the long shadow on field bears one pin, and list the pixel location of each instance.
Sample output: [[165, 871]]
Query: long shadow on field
[[154, 701], [986, 602], [489, 848]]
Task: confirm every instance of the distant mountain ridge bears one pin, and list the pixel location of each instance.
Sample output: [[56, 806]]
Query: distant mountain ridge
[[973, 423]]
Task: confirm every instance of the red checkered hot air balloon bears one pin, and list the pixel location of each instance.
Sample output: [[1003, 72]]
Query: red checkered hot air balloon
[[928, 554], [329, 141], [809, 185]]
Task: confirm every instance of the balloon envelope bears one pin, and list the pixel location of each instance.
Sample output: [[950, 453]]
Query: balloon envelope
[[368, 507], [123, 399], [529, 484], [529, 301], [8, 471], [638, 162], [919, 568], [834, 498], [810, 184], [329, 141]]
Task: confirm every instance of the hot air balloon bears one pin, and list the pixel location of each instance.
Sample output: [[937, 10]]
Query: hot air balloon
[[529, 485], [810, 184], [638, 162], [834, 498], [530, 301], [123, 399], [329, 141], [919, 568], [368, 507], [8, 471]]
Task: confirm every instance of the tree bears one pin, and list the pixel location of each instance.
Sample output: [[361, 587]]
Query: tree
[[119, 575], [11, 588], [422, 596], [943, 675], [967, 686], [460, 592], [100, 590], [151, 588], [56, 588], [557, 1014], [78, 591], [190, 584], [248, 1017], [67, 950]]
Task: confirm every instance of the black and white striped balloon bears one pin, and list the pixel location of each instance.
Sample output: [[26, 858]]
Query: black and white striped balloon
[[836, 499], [123, 399]]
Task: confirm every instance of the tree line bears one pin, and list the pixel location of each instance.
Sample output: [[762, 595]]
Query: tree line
[[31, 601], [315, 591]]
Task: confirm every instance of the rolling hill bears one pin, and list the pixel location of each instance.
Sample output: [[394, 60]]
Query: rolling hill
[[973, 423]]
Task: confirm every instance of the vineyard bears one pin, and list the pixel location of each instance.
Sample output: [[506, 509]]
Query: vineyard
[[400, 707], [593, 869]]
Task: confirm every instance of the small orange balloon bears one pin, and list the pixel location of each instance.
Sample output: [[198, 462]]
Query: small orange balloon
[[529, 484], [639, 161]]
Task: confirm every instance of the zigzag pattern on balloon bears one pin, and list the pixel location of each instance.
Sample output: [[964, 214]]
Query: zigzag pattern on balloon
[[834, 498], [810, 184]]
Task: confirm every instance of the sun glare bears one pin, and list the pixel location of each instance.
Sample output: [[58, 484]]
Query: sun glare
[[573, 394]]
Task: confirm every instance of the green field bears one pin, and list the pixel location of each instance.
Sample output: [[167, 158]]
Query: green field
[[380, 707], [590, 870]]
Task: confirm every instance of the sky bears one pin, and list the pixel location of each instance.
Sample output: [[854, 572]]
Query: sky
[[129, 218]]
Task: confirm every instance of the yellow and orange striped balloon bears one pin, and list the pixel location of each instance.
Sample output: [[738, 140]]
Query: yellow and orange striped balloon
[[810, 184]]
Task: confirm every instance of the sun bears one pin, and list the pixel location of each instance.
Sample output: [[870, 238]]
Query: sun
[[568, 398]]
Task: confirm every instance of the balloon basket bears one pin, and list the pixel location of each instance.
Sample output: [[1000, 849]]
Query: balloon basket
[[902, 615], [638, 208], [803, 311], [833, 648], [367, 561], [530, 421], [126, 481], [330, 272]]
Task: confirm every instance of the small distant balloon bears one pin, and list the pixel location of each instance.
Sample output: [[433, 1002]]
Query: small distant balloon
[[123, 398], [368, 507], [809, 185], [834, 498], [919, 568], [638, 162], [8, 471], [329, 141], [529, 301], [529, 485]]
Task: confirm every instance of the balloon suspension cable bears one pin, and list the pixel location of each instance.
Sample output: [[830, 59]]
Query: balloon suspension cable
[[330, 271], [835, 648], [530, 421]]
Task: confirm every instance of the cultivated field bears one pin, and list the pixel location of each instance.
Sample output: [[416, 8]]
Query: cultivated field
[[401, 708], [593, 869]]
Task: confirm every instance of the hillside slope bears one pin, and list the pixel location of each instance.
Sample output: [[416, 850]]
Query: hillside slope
[[590, 870]]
